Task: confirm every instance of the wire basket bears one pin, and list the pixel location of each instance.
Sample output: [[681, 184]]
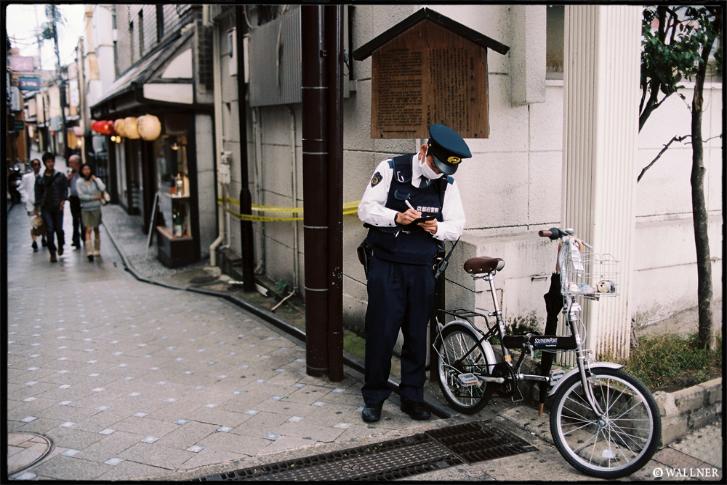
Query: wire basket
[[588, 274]]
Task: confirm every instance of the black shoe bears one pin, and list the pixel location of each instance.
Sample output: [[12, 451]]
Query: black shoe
[[60, 251], [53, 258], [415, 410], [371, 414], [90, 258], [44, 242], [76, 246], [34, 246]]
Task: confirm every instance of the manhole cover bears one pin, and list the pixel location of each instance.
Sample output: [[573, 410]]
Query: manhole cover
[[391, 460], [25, 450]]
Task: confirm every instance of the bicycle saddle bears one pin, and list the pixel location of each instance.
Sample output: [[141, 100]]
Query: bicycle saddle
[[483, 264]]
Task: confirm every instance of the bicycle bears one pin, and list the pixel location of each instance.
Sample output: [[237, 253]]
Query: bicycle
[[603, 421]]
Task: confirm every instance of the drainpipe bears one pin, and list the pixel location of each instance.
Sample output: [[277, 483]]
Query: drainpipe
[[246, 232], [314, 90], [217, 82], [334, 48], [294, 191], [256, 130]]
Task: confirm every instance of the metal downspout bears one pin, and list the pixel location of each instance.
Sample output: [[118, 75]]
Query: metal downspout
[[294, 192], [334, 47], [260, 266], [315, 175], [217, 82], [246, 232]]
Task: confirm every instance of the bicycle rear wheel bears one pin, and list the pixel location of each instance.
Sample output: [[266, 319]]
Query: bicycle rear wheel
[[615, 444], [460, 354]]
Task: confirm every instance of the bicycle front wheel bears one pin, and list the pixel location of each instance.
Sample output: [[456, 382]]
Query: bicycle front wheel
[[461, 354], [615, 444]]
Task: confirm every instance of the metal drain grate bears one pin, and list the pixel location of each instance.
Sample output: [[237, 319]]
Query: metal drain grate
[[391, 460], [480, 441]]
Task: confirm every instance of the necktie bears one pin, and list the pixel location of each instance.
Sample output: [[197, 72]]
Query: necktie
[[424, 182]]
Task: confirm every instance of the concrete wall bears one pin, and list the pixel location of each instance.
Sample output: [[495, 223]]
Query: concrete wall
[[510, 188]]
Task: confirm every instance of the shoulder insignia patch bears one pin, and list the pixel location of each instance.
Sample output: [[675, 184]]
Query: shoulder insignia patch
[[376, 179]]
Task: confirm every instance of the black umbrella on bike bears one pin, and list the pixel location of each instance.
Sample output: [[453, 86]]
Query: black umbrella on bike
[[553, 306]]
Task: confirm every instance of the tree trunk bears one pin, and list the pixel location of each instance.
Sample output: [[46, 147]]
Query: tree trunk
[[699, 206]]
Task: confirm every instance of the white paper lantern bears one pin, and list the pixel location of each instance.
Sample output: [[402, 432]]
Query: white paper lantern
[[149, 127], [130, 129]]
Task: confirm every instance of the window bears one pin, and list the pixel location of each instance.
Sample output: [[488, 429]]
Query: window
[[140, 24], [131, 40], [160, 22], [554, 42]]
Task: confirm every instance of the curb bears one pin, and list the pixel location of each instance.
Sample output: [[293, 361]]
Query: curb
[[688, 409], [266, 315]]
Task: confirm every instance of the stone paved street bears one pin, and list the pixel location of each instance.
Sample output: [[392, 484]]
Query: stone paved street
[[136, 381], [132, 380]]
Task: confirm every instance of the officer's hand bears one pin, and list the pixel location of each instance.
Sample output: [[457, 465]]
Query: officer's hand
[[429, 226], [407, 217]]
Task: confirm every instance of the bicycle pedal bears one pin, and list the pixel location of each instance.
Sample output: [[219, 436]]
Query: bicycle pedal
[[468, 379]]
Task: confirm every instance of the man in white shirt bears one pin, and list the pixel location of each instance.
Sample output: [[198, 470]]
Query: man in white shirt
[[411, 206], [27, 194]]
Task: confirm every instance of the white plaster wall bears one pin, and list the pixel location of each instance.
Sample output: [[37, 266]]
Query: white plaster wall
[[510, 188]]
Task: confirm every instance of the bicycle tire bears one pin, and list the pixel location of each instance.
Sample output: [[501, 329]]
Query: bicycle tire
[[452, 341], [616, 437]]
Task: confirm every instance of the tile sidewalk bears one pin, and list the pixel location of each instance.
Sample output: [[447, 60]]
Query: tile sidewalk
[[136, 381]]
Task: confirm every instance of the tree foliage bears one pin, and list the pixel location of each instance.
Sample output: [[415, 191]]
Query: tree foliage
[[677, 44], [671, 45]]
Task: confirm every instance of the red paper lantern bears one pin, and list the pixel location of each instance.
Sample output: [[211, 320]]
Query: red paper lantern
[[106, 128], [96, 126]]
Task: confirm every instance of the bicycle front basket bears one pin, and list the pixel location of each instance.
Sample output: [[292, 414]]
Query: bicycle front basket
[[588, 274]]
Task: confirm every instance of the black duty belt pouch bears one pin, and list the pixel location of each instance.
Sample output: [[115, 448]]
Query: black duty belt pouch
[[364, 253]]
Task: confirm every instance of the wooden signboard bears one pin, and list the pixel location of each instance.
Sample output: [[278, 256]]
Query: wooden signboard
[[429, 74]]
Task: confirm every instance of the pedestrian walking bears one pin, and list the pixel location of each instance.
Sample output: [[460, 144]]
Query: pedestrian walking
[[27, 195], [91, 192], [50, 196], [74, 163], [411, 206]]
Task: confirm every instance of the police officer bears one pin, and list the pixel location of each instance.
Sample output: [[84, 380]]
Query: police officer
[[411, 206]]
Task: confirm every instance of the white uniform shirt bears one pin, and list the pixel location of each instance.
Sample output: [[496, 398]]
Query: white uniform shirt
[[27, 190], [372, 209]]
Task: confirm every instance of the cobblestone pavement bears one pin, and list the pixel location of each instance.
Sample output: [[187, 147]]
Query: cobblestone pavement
[[132, 380], [704, 444], [137, 381]]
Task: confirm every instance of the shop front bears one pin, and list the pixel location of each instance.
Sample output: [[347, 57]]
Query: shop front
[[162, 152]]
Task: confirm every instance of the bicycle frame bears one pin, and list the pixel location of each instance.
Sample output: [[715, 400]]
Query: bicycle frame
[[572, 309]]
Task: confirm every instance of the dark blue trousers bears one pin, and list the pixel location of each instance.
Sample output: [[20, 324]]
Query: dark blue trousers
[[400, 296], [53, 220]]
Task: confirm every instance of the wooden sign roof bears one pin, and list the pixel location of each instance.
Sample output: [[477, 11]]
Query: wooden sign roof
[[429, 69], [427, 14]]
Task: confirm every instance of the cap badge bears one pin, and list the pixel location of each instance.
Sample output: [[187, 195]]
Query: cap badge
[[453, 160]]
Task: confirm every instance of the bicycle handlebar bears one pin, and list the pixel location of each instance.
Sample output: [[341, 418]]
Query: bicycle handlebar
[[553, 233]]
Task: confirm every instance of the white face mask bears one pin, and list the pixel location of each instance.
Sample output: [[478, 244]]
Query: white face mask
[[428, 172]]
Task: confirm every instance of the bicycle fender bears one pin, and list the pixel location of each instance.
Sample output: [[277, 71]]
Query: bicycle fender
[[486, 347], [575, 370]]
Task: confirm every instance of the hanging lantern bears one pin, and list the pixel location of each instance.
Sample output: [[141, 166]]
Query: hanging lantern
[[130, 128], [119, 127], [95, 126], [106, 128], [149, 127]]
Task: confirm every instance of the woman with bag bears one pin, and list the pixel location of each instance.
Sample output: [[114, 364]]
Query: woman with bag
[[91, 192]]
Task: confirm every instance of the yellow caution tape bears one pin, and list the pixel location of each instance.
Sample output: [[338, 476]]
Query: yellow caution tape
[[349, 208]]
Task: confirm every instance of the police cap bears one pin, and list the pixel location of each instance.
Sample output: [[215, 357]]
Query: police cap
[[447, 148]]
